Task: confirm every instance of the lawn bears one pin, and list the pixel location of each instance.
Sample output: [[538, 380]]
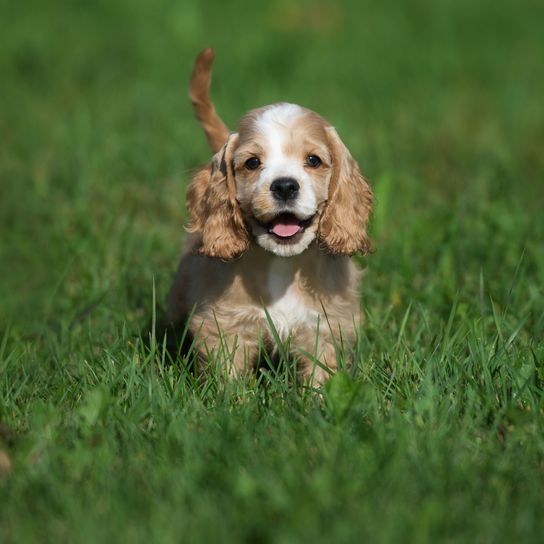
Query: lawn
[[437, 431]]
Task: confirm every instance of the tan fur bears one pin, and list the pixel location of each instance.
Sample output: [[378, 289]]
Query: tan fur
[[215, 214], [342, 228], [307, 287], [199, 93], [228, 300]]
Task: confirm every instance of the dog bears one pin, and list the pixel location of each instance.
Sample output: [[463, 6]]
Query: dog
[[274, 218]]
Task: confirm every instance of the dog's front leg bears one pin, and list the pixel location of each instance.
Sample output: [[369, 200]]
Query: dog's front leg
[[316, 355], [233, 349]]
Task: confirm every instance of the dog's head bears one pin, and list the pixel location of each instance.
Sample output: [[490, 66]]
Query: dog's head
[[284, 179]]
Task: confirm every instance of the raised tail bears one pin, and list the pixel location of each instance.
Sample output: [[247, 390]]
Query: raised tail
[[199, 91]]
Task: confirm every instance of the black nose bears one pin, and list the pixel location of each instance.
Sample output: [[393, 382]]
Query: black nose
[[284, 188]]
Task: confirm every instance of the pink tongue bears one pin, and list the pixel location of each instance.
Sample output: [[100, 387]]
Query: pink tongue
[[285, 227]]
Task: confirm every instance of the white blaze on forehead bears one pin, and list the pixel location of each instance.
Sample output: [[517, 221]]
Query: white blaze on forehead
[[274, 124], [276, 118]]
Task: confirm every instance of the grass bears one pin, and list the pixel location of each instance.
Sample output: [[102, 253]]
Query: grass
[[436, 434]]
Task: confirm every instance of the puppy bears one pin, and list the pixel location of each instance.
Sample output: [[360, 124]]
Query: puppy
[[275, 216]]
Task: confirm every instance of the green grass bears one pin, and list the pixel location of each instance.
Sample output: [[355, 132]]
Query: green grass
[[436, 434]]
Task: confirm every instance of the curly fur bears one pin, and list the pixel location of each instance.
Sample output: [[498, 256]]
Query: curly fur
[[215, 214], [342, 228]]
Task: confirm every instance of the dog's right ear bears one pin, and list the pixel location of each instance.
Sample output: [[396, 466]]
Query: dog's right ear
[[215, 212]]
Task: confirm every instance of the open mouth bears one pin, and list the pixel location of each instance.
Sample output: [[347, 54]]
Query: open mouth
[[286, 226]]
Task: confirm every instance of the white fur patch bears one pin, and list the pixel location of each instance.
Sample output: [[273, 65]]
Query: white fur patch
[[274, 125], [286, 308], [279, 114]]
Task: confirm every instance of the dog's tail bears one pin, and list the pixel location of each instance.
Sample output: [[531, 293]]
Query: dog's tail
[[199, 91]]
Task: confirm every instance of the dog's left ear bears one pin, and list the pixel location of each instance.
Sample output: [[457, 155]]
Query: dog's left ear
[[342, 227], [215, 212]]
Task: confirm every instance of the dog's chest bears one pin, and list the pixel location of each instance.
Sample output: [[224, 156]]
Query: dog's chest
[[287, 307]]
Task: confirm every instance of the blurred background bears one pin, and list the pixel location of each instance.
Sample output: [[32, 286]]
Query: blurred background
[[441, 103]]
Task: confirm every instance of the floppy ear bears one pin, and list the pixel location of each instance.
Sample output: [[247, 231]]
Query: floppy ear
[[342, 227], [215, 213]]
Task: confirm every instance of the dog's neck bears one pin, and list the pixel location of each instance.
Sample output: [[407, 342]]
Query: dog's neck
[[313, 270]]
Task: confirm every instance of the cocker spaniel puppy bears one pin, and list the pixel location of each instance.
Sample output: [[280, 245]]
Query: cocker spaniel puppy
[[275, 216]]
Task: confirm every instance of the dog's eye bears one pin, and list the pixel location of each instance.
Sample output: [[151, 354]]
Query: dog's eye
[[313, 161], [252, 163]]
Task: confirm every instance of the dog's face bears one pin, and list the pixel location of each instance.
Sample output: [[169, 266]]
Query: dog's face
[[284, 180], [282, 170]]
